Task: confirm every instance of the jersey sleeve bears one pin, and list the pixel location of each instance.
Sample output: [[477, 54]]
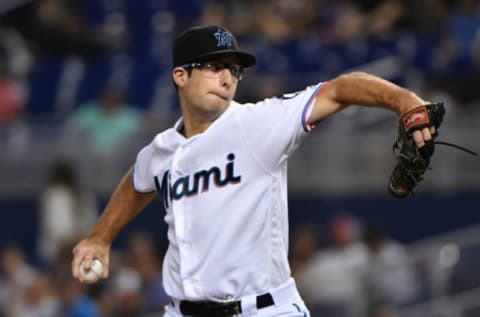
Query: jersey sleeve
[[142, 177], [275, 127]]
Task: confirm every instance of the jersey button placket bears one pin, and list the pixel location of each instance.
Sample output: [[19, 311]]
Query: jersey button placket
[[182, 220]]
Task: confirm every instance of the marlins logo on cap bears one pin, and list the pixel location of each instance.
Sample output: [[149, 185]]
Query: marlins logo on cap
[[224, 38], [202, 43]]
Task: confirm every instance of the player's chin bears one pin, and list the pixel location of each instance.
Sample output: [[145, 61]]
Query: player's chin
[[218, 102], [221, 97]]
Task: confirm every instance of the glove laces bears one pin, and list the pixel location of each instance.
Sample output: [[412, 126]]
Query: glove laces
[[458, 147]]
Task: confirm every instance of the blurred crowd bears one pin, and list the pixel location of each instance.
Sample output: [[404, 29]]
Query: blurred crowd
[[343, 268], [99, 70], [133, 289], [41, 284], [438, 38], [58, 59], [349, 269]]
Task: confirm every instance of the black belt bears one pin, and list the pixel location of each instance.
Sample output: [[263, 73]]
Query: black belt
[[220, 309]]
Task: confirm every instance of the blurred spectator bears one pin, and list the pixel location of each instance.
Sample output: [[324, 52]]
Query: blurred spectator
[[214, 12], [391, 279], [343, 21], [332, 282], [76, 299], [106, 124], [15, 56], [126, 288], [415, 22], [464, 23], [37, 300], [135, 285], [16, 277], [15, 63], [281, 20], [383, 19], [80, 300], [142, 253], [235, 15], [12, 102], [66, 211], [58, 27], [12, 97], [304, 246], [340, 22]]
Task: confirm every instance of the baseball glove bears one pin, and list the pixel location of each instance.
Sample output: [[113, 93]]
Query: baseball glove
[[412, 162]]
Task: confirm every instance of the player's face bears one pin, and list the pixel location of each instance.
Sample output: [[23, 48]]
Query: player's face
[[211, 86]]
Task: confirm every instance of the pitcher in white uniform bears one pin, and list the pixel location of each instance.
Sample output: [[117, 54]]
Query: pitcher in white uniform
[[221, 172]]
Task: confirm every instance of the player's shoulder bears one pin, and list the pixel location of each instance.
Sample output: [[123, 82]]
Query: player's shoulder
[[251, 106], [305, 91], [249, 110], [288, 97]]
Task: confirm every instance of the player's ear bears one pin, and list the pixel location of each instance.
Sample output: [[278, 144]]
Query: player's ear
[[179, 76]]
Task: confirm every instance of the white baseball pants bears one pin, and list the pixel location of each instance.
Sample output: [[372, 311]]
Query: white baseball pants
[[288, 303]]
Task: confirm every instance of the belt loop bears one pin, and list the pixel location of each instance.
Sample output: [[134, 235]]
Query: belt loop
[[249, 305], [175, 303], [285, 292]]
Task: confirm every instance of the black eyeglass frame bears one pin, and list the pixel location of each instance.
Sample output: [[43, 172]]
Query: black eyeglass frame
[[235, 69]]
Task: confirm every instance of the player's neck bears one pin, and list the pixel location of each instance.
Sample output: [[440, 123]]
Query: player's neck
[[195, 122], [189, 130]]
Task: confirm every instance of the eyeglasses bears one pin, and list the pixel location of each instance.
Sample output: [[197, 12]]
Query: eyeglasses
[[215, 69]]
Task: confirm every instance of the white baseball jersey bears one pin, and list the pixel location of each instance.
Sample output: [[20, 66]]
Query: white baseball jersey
[[225, 195]]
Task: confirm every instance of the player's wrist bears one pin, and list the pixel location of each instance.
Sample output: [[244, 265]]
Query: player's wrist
[[409, 102], [99, 237]]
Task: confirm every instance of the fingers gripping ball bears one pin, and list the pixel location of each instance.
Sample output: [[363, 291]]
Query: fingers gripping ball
[[92, 274]]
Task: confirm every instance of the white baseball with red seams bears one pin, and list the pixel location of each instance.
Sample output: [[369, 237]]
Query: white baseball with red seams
[[225, 196], [94, 274]]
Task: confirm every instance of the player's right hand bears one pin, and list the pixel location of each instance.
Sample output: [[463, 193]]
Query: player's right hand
[[87, 250]]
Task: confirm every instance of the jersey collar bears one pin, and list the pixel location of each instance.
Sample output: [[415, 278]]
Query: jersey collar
[[179, 124]]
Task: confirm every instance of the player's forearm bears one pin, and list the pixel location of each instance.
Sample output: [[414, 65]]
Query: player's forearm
[[358, 88], [125, 203]]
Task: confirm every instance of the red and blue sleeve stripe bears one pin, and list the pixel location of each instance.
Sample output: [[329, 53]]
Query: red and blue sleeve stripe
[[308, 106]]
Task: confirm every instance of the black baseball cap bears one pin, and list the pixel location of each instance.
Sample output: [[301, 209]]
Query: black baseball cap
[[201, 43]]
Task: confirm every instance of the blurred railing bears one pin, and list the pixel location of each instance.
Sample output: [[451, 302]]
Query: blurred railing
[[465, 304], [450, 269], [446, 281]]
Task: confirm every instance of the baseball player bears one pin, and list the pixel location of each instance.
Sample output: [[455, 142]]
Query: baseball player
[[221, 172]]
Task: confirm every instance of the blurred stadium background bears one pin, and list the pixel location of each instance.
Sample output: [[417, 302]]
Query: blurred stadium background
[[85, 84]]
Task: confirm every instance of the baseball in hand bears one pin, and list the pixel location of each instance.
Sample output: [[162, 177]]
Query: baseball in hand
[[93, 274]]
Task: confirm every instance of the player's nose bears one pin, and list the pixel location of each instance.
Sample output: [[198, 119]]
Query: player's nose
[[227, 79]]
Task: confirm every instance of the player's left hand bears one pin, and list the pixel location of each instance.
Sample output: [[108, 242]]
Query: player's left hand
[[423, 136], [414, 147]]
